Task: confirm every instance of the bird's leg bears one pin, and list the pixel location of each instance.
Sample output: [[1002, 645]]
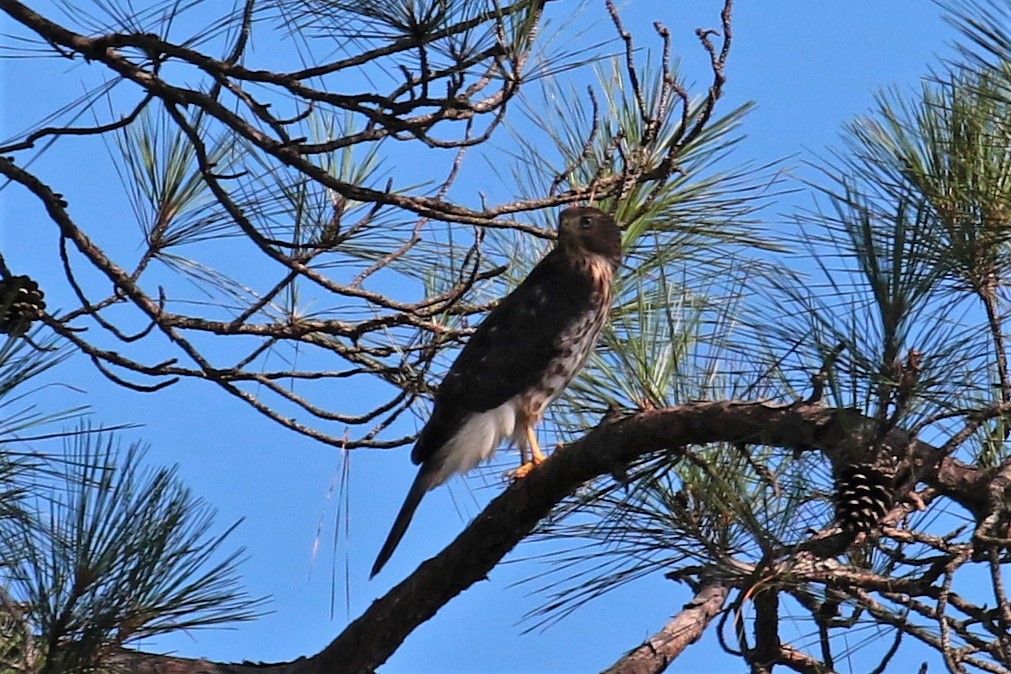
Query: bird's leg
[[536, 455]]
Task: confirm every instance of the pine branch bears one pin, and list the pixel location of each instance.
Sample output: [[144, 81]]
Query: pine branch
[[371, 639], [684, 629]]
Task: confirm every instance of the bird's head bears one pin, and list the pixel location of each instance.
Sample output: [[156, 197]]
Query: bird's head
[[583, 230]]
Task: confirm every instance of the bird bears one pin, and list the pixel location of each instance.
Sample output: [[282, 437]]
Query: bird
[[518, 361]]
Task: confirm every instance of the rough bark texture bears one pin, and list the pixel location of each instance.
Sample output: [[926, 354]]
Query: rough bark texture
[[657, 652], [371, 639]]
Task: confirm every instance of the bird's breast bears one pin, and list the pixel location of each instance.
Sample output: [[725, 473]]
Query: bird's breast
[[575, 344]]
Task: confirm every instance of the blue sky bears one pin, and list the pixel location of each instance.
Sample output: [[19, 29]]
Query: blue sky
[[810, 67]]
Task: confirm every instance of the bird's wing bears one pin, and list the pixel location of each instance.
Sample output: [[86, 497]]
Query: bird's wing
[[511, 349], [508, 354]]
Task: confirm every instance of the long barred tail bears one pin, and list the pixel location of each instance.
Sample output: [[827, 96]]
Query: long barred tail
[[422, 483]]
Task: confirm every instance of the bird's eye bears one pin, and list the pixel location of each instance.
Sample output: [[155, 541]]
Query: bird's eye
[[585, 222]]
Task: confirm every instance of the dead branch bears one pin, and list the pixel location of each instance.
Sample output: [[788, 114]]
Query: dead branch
[[661, 649]]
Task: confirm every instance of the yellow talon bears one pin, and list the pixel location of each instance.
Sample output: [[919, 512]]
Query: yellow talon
[[536, 456], [525, 469]]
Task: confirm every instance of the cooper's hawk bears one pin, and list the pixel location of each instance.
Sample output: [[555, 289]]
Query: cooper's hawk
[[518, 361]]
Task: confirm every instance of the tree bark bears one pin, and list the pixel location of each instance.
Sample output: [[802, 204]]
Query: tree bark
[[661, 649], [371, 639], [801, 662]]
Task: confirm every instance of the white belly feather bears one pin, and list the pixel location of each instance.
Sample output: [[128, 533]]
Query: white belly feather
[[478, 438]]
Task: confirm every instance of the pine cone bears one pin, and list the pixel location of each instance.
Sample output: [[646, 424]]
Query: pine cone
[[20, 303], [863, 495]]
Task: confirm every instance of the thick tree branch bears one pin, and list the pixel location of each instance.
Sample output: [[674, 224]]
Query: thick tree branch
[[767, 643], [684, 629], [375, 636]]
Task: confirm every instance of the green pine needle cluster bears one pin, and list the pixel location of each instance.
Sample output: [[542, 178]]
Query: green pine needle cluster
[[97, 551]]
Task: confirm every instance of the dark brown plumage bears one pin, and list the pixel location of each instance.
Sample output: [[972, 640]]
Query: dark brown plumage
[[519, 360]]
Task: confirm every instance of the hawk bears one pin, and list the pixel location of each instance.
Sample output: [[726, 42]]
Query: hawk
[[518, 361]]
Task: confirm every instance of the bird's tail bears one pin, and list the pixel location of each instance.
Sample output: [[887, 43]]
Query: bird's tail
[[422, 483]]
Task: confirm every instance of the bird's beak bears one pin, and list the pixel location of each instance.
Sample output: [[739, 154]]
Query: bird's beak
[[564, 226], [567, 236]]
